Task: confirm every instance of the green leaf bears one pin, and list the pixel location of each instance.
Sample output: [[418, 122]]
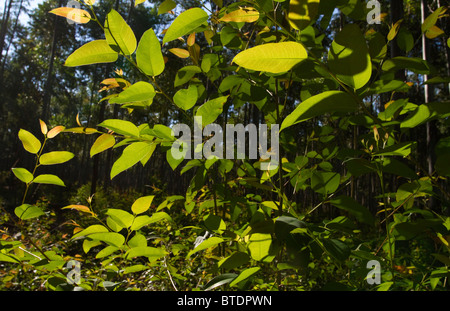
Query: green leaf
[[131, 155], [186, 98], [401, 149], [166, 6], [245, 275], [140, 221], [431, 20], [123, 127], [138, 92], [302, 12], [9, 258], [233, 261], [90, 230], [349, 58], [103, 142], [220, 280], [185, 74], [425, 113], [211, 242], [29, 141], [337, 249], [354, 208], [405, 40], [55, 157], [149, 57], [185, 23], [393, 166], [241, 15], [325, 182], [326, 102], [414, 64], [118, 34], [272, 57], [142, 204], [94, 52], [27, 211], [108, 250], [48, 179], [214, 223], [111, 238], [23, 174], [121, 217], [152, 253], [211, 110], [259, 246], [442, 165], [139, 240]]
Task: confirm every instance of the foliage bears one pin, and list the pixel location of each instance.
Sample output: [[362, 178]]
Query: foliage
[[304, 225]]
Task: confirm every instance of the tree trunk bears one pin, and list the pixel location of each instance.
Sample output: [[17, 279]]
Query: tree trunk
[[49, 81]]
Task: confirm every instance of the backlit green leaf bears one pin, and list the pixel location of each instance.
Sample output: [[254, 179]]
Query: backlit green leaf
[[166, 6], [123, 127], [302, 12], [118, 34], [211, 110], [185, 23], [326, 102], [272, 57], [152, 253], [27, 211], [23, 174], [337, 249], [349, 58], [186, 98], [121, 217], [111, 238], [148, 55], [48, 179], [142, 204], [414, 64], [131, 155], [29, 141], [103, 142], [138, 92], [55, 157], [93, 52], [245, 275], [90, 230], [211, 242]]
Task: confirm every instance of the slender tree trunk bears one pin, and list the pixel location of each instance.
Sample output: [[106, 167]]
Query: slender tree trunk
[[4, 29], [397, 13], [49, 81], [431, 131]]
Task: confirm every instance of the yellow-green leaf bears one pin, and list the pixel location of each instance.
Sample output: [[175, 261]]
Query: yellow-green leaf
[[148, 55], [55, 157], [103, 142], [94, 52], [73, 14], [272, 57], [142, 204], [131, 155], [27, 211], [49, 179], [166, 6], [29, 141], [302, 12], [118, 34], [23, 174], [137, 2], [241, 15], [185, 23]]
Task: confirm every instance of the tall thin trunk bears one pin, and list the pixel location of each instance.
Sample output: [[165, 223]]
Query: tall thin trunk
[[397, 13], [431, 131], [49, 81]]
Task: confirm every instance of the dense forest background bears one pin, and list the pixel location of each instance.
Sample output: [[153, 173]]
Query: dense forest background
[[35, 84]]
